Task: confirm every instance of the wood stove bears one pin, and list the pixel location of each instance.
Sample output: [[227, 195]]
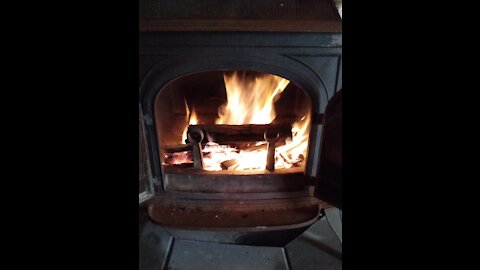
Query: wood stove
[[240, 117]]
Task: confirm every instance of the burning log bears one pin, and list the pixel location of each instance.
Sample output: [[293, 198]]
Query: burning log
[[293, 163], [229, 164], [231, 133], [250, 147], [271, 133], [170, 149]]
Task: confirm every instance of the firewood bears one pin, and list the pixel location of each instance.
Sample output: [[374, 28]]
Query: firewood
[[242, 133], [177, 158], [294, 163], [249, 147], [177, 148], [229, 164]]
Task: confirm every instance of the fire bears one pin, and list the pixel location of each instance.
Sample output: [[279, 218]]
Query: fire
[[295, 149], [191, 119], [251, 101], [215, 156]]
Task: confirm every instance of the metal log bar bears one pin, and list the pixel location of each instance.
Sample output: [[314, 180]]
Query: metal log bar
[[271, 138], [231, 133], [195, 137]]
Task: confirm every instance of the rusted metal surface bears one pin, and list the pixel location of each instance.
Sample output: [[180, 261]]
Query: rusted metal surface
[[190, 180], [176, 148], [258, 236], [156, 25], [238, 15], [239, 9], [307, 192], [201, 214], [238, 135]]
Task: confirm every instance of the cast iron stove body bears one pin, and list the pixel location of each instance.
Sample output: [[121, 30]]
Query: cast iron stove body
[[303, 49]]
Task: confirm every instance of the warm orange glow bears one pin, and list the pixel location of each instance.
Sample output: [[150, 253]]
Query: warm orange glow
[[214, 154], [250, 101], [191, 119], [286, 156], [294, 150]]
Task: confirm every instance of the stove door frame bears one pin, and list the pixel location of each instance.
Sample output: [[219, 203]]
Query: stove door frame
[[311, 60], [144, 155], [171, 68], [328, 186]]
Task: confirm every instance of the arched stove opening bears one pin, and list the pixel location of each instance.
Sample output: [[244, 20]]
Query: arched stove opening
[[254, 132]]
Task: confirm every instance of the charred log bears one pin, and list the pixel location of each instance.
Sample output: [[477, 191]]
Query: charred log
[[177, 148], [241, 133]]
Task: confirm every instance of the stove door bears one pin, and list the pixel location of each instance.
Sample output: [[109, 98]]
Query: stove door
[[329, 177], [145, 180]]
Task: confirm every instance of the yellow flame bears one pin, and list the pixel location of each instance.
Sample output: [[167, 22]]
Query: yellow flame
[[250, 101], [191, 119], [295, 149], [286, 156], [215, 155]]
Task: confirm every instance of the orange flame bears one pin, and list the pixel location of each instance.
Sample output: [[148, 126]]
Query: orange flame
[[295, 149], [191, 119], [286, 156], [250, 101], [215, 155]]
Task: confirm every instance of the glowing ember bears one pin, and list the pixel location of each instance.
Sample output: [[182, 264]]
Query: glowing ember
[[214, 155], [251, 101], [295, 150], [178, 158]]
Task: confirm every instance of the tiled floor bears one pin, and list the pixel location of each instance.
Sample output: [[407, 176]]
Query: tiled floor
[[317, 248], [190, 255]]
